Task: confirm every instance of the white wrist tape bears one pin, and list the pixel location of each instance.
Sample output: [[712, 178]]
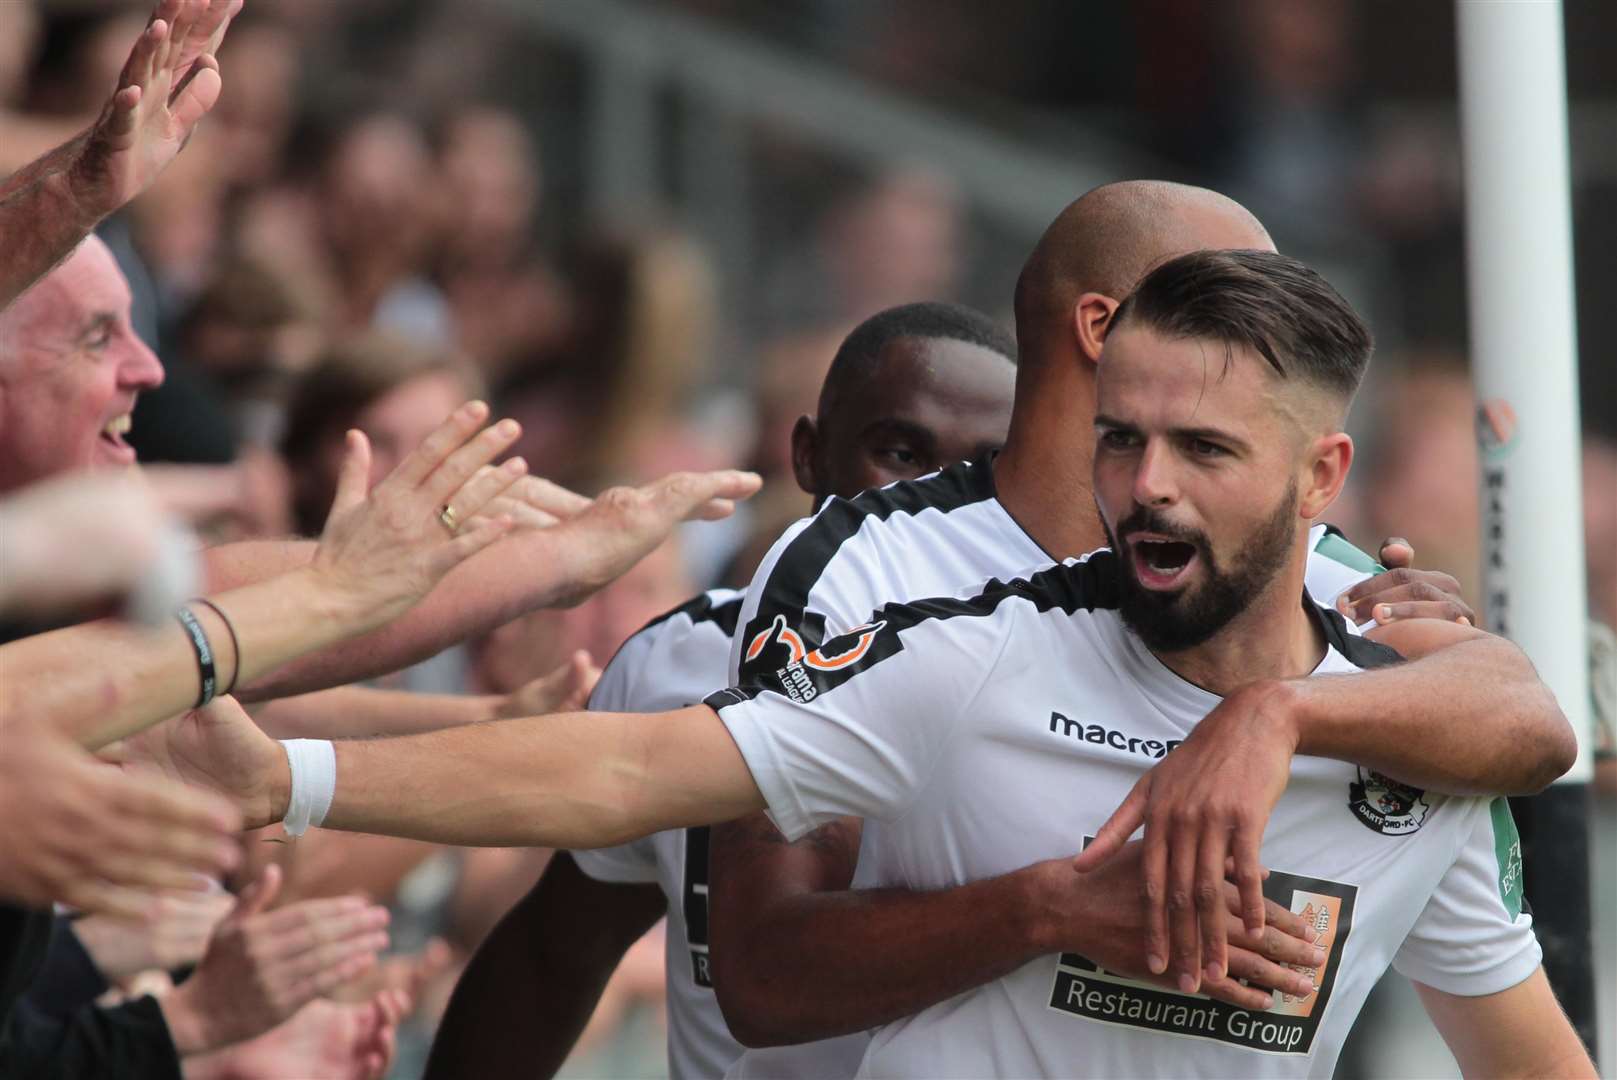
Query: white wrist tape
[[313, 763]]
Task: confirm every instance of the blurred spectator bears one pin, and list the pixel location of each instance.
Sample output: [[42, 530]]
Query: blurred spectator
[[612, 404], [506, 301], [378, 220], [1421, 480], [252, 122], [1600, 525], [896, 240], [393, 391]]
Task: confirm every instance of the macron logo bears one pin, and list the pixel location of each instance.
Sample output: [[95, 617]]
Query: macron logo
[[1105, 736]]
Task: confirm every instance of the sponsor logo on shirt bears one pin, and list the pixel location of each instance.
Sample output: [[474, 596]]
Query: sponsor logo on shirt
[[782, 635], [1086, 990], [841, 652], [1101, 735], [1385, 805]]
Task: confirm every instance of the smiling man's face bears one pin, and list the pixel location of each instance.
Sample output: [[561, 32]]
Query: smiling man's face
[[70, 370]]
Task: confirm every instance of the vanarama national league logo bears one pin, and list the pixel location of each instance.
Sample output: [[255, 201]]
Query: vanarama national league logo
[[1385, 805], [865, 635], [796, 680], [784, 635]]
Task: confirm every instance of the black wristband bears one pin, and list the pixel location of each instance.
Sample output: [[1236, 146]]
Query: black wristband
[[235, 643], [204, 651]]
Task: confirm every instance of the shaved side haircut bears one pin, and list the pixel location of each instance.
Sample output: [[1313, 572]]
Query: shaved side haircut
[[1272, 304]]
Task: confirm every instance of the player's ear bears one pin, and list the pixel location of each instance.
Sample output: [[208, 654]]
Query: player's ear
[[1091, 319], [805, 442], [1330, 458]]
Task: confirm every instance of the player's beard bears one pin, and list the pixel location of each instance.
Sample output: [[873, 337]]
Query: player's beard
[[1174, 621]]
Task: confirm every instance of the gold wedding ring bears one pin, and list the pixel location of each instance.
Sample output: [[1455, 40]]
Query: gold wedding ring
[[446, 514]]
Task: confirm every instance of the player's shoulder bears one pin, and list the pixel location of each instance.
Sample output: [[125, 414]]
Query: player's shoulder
[[674, 659], [716, 610], [954, 639], [1061, 589], [1334, 564], [816, 541], [1349, 649]]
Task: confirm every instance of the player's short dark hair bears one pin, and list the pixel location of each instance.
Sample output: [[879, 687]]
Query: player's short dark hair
[[1280, 308], [929, 319]]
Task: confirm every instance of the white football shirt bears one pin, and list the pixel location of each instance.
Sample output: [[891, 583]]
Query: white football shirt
[[673, 662], [1001, 728], [943, 534]]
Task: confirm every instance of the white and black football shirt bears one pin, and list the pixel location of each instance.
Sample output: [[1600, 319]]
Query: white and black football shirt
[[944, 534], [1002, 726], [672, 662]]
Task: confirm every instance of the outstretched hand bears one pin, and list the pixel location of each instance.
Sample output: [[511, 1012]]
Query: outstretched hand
[[623, 525], [216, 747], [1204, 805], [262, 966], [76, 831], [384, 550], [565, 689], [170, 81]]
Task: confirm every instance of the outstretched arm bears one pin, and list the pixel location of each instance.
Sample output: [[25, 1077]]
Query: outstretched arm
[[1518, 1032], [378, 554], [572, 780], [540, 568], [576, 780], [169, 82]]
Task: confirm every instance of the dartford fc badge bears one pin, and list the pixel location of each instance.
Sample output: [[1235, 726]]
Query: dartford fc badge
[[1385, 805]]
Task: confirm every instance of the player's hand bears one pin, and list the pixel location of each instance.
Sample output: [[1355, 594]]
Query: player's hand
[[1102, 919], [170, 81], [216, 747], [565, 689], [624, 524], [1403, 592], [263, 966], [74, 830], [381, 552], [1207, 801]]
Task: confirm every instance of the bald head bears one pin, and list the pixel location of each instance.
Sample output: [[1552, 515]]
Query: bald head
[[1108, 240]]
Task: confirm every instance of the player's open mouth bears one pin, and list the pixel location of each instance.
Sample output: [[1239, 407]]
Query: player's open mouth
[[112, 439], [1161, 563]]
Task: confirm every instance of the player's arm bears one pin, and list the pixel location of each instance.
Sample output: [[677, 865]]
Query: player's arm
[[553, 567], [573, 780], [1520, 1032], [799, 955], [1466, 714], [549, 958]]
